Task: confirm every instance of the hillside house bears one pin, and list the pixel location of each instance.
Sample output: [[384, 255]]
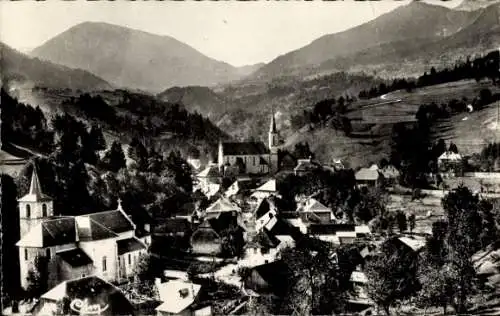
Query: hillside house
[[250, 157], [391, 174], [450, 164], [263, 248], [104, 244], [368, 177], [306, 166], [84, 296], [265, 211]]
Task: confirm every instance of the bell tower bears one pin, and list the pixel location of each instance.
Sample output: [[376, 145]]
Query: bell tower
[[273, 144], [34, 206]]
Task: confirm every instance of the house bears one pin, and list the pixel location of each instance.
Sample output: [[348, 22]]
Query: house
[[314, 211], [266, 190], [179, 298], [263, 248], [84, 296], [359, 280], [207, 238], [222, 205], [104, 244], [209, 180], [306, 166], [268, 279], [194, 163], [287, 162], [334, 233], [450, 163], [250, 157], [240, 187], [265, 211], [174, 226], [391, 174], [368, 177]]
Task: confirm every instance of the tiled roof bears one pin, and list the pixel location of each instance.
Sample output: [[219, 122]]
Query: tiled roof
[[209, 172], [177, 295], [129, 245], [89, 229], [306, 165], [222, 205], [269, 186], [172, 226], [313, 205], [276, 274], [93, 289], [449, 155], [330, 229], [245, 148], [114, 220], [367, 174], [263, 207], [75, 257]]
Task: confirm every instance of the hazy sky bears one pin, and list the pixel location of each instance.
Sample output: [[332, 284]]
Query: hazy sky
[[239, 33]]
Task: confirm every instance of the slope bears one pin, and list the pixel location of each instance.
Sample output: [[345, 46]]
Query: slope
[[415, 21], [20, 68], [134, 59]]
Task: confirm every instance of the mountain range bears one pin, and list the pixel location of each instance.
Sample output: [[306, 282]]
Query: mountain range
[[400, 36], [16, 66], [129, 58]]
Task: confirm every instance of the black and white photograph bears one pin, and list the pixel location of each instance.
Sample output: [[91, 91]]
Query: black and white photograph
[[206, 158]]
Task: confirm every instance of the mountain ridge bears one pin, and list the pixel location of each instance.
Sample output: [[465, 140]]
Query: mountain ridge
[[133, 58]]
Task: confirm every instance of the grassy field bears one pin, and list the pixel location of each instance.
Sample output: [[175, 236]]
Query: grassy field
[[373, 120]]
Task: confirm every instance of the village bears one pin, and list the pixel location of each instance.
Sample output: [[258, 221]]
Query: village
[[228, 250]]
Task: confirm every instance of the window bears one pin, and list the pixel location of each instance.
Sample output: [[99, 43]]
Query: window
[[129, 260], [28, 211], [25, 254], [44, 210], [47, 253], [254, 160], [104, 263]]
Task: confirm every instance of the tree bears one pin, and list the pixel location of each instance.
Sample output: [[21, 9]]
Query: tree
[[138, 153], [453, 148], [98, 137], [315, 286], [412, 223], [146, 270], [392, 276], [37, 278], [114, 159], [401, 221]]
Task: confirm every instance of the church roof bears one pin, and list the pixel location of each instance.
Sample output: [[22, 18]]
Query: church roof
[[244, 149], [75, 257], [70, 229], [129, 245], [211, 171], [35, 193]]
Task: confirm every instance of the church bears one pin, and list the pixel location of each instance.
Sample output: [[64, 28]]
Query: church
[[106, 244], [250, 157]]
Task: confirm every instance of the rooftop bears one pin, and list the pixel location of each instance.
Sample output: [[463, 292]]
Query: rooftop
[[367, 174], [75, 257], [129, 245], [177, 295], [244, 148]]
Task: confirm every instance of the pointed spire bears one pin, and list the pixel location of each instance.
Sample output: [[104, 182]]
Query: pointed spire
[[272, 127], [35, 187]]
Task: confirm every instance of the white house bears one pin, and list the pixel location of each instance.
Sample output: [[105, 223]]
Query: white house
[[179, 297], [314, 210], [222, 205], [266, 190], [102, 244]]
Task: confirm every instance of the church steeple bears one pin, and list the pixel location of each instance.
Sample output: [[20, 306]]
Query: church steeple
[[35, 188], [272, 126]]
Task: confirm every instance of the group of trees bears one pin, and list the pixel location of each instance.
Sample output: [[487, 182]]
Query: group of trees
[[24, 125], [433, 112], [442, 274], [141, 115], [328, 111], [479, 68]]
